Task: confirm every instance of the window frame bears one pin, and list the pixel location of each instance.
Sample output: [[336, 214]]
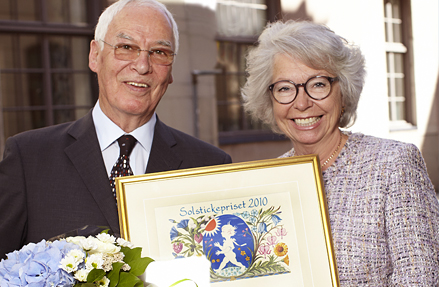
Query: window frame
[[45, 30], [248, 135], [405, 49]]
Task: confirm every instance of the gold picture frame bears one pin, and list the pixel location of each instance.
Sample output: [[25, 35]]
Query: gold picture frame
[[263, 220]]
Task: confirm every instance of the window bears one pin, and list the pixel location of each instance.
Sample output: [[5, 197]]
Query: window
[[239, 25], [44, 74], [399, 71]]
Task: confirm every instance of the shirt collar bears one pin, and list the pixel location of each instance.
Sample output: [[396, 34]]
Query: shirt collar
[[107, 131]]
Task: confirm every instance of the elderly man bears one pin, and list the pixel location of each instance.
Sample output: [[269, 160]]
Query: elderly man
[[60, 178]]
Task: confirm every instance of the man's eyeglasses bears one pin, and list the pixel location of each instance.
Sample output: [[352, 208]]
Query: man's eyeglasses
[[317, 88], [129, 52]]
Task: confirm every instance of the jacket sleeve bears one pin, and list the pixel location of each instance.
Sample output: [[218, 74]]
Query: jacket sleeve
[[13, 212], [412, 222]]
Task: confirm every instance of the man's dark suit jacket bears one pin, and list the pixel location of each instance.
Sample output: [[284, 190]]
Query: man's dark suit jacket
[[53, 180]]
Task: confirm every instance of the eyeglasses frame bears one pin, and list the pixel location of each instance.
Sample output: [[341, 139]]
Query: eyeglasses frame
[[330, 79], [138, 53]]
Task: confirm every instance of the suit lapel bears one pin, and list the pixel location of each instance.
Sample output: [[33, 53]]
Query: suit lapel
[[162, 157], [86, 156]]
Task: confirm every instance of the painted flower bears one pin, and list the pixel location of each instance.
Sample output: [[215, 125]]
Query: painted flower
[[262, 227], [287, 260], [198, 237], [246, 215], [183, 223], [276, 219], [281, 249], [281, 232], [264, 250], [174, 233], [192, 224], [272, 240], [178, 246]]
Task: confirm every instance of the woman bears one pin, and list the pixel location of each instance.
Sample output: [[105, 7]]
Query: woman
[[305, 81]]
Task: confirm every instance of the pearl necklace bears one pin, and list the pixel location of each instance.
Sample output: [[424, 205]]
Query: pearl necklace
[[333, 154]]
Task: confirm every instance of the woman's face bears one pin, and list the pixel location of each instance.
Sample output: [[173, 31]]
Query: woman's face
[[306, 121]]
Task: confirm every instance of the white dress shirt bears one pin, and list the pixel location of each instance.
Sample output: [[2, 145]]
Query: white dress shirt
[[108, 133]]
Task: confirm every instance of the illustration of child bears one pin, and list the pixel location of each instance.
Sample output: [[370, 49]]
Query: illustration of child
[[227, 232]]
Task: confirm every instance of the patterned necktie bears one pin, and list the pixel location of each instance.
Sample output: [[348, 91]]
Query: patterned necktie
[[122, 165]]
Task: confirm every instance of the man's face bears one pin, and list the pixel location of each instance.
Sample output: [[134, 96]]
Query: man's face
[[131, 90]]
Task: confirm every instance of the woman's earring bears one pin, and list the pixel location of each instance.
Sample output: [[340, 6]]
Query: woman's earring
[[342, 112]]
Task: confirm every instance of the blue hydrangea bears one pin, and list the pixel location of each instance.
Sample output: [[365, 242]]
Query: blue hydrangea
[[37, 265]]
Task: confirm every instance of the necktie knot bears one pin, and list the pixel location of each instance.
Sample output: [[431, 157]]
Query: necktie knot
[[126, 144]]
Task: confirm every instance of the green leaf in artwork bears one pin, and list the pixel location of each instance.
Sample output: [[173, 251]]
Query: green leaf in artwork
[[95, 275]]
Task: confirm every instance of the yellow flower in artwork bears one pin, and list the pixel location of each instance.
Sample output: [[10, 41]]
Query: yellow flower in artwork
[[281, 249], [247, 258], [242, 252], [287, 260]]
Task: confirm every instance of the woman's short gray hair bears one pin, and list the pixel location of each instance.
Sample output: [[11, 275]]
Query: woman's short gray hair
[[317, 47], [111, 11]]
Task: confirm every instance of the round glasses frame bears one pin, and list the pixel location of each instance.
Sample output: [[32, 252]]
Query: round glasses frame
[[128, 52], [297, 86]]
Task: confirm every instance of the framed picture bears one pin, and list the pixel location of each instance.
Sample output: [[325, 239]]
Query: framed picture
[[258, 222]]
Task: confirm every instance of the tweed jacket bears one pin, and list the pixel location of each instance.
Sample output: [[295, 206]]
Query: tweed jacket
[[384, 214]]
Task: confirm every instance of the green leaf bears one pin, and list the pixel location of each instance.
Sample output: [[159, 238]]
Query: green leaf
[[138, 266], [183, 280], [131, 254], [95, 275], [113, 275], [128, 280]]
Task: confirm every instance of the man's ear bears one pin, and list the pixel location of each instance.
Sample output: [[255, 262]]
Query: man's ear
[[93, 55]]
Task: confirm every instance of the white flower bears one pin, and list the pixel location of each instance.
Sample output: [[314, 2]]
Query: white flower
[[106, 238], [124, 243], [75, 239], [104, 282], [107, 248], [94, 261], [69, 264], [77, 254], [192, 224], [89, 244], [81, 275]]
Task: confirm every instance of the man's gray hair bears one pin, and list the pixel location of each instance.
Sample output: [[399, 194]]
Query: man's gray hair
[[111, 11]]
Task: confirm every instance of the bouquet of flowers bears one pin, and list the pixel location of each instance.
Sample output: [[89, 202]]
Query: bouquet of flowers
[[78, 261]]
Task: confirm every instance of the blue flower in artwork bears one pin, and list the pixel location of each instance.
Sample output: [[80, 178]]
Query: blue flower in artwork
[[252, 219], [174, 233], [276, 219], [254, 212], [246, 215], [183, 223], [262, 227]]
